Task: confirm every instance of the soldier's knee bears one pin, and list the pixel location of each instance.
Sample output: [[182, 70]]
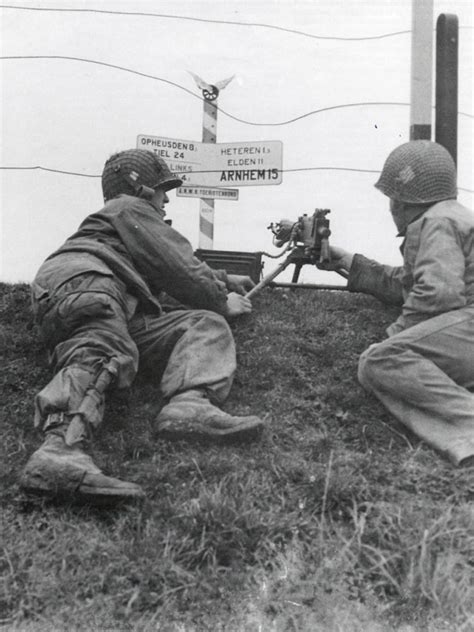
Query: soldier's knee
[[213, 319], [375, 364]]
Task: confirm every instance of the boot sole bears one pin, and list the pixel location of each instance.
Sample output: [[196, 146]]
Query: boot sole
[[79, 497], [204, 434], [76, 486]]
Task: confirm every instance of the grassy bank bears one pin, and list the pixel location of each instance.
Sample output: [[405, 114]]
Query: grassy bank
[[336, 520]]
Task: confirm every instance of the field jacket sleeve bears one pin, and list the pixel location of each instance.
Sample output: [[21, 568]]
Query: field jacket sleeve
[[166, 260], [383, 282]]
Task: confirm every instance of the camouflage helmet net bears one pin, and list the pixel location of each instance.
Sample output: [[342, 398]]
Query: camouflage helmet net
[[127, 171], [418, 172]]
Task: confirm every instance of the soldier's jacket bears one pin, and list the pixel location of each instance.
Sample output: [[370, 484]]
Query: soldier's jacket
[[128, 240], [437, 275]]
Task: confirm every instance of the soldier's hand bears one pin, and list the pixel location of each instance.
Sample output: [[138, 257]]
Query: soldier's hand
[[239, 283], [237, 305], [340, 260]]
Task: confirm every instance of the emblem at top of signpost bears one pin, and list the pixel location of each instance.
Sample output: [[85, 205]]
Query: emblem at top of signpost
[[210, 91]]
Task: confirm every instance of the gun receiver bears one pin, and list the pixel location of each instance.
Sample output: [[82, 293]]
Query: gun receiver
[[310, 234], [307, 239]]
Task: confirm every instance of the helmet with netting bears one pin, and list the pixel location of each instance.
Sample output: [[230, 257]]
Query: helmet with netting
[[135, 171], [419, 172]]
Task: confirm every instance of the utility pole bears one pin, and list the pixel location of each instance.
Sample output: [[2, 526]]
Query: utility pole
[[447, 43], [421, 70], [210, 92]]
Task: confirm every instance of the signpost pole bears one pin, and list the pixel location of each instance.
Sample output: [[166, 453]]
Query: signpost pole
[[210, 92], [206, 205]]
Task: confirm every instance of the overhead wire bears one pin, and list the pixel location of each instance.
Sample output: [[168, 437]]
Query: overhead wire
[[179, 86], [197, 96], [214, 21], [195, 171]]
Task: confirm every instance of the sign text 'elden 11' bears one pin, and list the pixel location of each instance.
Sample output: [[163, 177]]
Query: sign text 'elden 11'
[[219, 164]]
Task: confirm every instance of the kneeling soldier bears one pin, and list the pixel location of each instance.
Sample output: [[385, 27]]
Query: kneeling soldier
[[423, 372]]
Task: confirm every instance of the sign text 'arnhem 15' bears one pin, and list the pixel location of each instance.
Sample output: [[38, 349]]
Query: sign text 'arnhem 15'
[[219, 164]]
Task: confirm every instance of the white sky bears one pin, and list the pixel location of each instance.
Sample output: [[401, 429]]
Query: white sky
[[71, 115]]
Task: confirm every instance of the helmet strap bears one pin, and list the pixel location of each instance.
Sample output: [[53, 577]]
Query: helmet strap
[[141, 190], [404, 213]]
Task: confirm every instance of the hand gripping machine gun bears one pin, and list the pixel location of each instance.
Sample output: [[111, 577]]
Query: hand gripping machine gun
[[307, 241]]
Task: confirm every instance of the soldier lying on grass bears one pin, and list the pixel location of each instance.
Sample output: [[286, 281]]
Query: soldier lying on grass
[[96, 301]]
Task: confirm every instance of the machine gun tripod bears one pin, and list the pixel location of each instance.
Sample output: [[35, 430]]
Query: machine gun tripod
[[307, 240]]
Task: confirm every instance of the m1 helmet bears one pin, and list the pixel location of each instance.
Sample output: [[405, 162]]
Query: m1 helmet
[[419, 172], [136, 172]]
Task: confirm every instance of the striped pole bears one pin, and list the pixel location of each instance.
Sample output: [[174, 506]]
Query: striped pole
[[421, 70], [206, 206]]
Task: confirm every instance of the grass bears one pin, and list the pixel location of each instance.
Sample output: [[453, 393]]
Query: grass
[[336, 520]]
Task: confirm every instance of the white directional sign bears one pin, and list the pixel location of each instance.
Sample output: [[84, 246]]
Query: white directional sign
[[246, 164], [219, 164], [206, 192], [181, 156]]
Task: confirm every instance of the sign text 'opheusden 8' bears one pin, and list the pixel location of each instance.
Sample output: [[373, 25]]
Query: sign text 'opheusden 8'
[[219, 164]]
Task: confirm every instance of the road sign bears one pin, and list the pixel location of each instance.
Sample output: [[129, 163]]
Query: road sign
[[219, 164], [206, 192], [181, 156], [245, 164]]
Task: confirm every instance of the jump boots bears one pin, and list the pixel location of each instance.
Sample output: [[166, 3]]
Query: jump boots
[[61, 469], [190, 415]]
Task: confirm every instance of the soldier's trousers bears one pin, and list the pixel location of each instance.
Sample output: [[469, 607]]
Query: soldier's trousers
[[91, 319], [425, 377]]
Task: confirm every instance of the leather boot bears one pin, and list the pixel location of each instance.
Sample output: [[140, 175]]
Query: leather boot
[[58, 470], [191, 415]]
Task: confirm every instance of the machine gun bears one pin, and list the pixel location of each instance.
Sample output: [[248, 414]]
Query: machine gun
[[307, 241]]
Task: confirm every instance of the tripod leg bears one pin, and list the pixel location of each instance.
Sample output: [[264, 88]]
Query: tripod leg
[[296, 272], [265, 281]]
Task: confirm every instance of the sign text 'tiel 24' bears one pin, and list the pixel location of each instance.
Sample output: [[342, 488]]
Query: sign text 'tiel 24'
[[219, 164]]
